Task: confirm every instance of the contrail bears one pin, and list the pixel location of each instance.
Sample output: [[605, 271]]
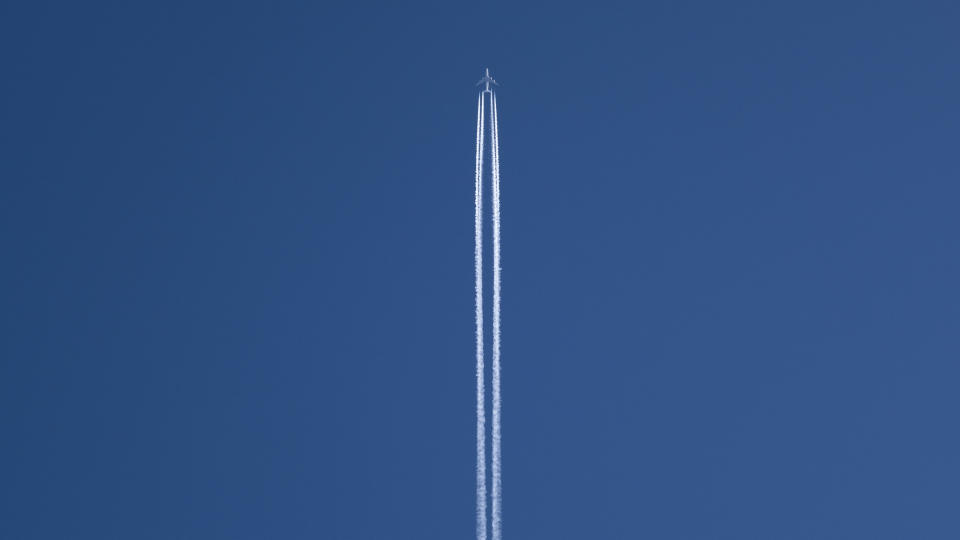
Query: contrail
[[495, 188], [478, 272], [495, 495]]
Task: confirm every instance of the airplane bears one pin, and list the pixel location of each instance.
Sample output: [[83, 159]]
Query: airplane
[[487, 79]]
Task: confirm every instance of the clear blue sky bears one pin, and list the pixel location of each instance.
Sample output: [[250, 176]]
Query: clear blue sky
[[237, 289]]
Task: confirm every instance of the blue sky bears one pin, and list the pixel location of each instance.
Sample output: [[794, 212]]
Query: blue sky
[[238, 292]]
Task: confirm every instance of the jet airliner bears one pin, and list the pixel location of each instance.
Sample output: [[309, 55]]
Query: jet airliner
[[487, 79]]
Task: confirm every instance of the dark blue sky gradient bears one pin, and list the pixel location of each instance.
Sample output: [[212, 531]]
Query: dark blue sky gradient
[[237, 296]]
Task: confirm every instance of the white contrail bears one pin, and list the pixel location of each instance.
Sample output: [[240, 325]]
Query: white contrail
[[495, 189], [478, 271]]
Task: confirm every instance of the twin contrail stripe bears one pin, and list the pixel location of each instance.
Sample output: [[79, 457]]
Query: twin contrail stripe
[[495, 191], [478, 272]]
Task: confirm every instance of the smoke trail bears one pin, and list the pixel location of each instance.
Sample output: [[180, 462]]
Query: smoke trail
[[495, 188], [478, 273]]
